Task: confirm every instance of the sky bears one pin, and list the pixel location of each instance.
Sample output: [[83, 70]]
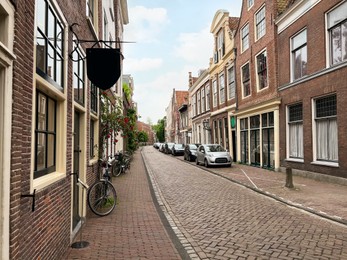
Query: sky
[[171, 38]]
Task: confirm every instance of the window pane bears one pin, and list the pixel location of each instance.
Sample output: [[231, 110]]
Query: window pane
[[50, 61], [337, 15], [41, 15], [40, 52], [326, 106], [50, 150], [51, 27], [299, 39], [51, 115], [41, 112], [41, 152]]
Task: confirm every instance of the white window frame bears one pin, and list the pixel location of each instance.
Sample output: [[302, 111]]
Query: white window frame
[[257, 72], [7, 58], [292, 50], [243, 87], [61, 129], [220, 43], [203, 101], [208, 97], [215, 92], [250, 3], [243, 37], [288, 141], [231, 84], [316, 160], [199, 103], [221, 88], [262, 22], [342, 19]]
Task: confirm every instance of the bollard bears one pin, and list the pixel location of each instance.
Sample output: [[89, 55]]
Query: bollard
[[289, 178]]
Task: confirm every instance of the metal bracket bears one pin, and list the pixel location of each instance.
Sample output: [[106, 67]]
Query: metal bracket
[[30, 196]]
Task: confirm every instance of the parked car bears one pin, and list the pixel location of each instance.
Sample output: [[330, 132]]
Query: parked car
[[190, 152], [177, 149], [161, 147], [168, 147], [156, 145], [213, 154]]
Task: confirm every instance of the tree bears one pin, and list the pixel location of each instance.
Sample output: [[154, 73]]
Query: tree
[[142, 136], [159, 130]]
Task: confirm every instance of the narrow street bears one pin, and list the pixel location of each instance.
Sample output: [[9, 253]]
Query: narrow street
[[215, 218]]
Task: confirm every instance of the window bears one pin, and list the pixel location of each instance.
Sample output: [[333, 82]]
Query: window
[[250, 3], [245, 37], [221, 89], [49, 44], [246, 80], [220, 44], [299, 55], [295, 129], [199, 103], [194, 105], [203, 102], [93, 98], [207, 97], [244, 140], [78, 76], [326, 128], [105, 27], [337, 29], [91, 10], [215, 93], [45, 135], [261, 70], [92, 142], [260, 24], [231, 83]]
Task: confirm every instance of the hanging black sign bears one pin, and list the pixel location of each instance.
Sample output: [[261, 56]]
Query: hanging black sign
[[103, 66]]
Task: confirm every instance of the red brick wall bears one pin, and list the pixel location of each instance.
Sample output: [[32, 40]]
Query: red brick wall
[[268, 42], [44, 233], [327, 83]]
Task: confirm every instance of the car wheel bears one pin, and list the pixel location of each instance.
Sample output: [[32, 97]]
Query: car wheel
[[206, 164]]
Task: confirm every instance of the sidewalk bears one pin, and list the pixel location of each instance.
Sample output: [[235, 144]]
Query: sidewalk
[[322, 198], [134, 230]]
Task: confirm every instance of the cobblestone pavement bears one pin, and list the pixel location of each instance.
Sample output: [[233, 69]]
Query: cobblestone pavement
[[215, 218], [134, 230]]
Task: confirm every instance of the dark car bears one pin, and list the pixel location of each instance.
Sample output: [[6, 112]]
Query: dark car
[[177, 149], [168, 148], [190, 152]]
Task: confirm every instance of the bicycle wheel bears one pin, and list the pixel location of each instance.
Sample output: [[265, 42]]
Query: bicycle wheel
[[116, 169], [102, 198]]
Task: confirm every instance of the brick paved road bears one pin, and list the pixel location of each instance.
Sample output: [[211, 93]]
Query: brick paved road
[[218, 219]]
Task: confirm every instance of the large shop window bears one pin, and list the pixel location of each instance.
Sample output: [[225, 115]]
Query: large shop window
[[45, 135], [255, 139], [244, 140], [337, 29], [295, 132], [268, 140], [299, 55], [326, 129], [49, 44]]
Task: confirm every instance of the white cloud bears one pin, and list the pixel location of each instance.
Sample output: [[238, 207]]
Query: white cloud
[[195, 47], [144, 64], [145, 23]]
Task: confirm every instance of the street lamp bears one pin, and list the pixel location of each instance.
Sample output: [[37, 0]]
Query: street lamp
[[206, 124]]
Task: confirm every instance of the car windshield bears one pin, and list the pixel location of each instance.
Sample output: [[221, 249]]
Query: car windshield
[[170, 145], [214, 148], [193, 147], [178, 145]]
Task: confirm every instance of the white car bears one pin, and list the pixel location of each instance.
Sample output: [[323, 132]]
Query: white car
[[213, 154]]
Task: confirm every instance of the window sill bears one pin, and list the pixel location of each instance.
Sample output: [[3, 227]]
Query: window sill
[[44, 181], [323, 163], [294, 160], [93, 161]]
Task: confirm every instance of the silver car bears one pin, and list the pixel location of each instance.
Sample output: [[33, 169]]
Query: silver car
[[213, 154]]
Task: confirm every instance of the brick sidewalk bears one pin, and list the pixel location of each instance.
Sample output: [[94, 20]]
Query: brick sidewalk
[[134, 230]]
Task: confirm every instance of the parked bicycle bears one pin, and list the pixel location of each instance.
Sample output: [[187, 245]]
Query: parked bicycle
[[122, 164], [102, 196]]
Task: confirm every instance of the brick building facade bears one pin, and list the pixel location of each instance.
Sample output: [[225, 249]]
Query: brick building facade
[[312, 75], [50, 129]]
